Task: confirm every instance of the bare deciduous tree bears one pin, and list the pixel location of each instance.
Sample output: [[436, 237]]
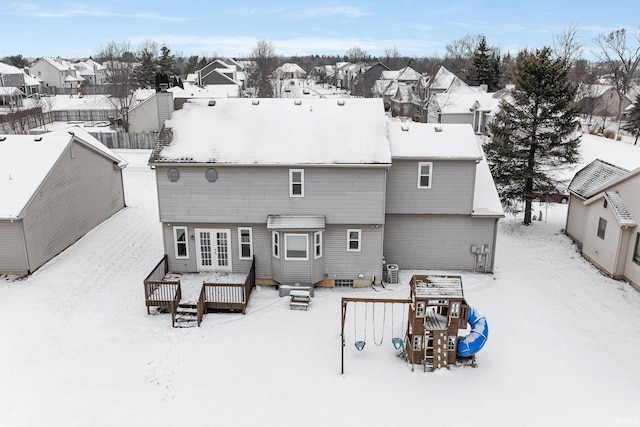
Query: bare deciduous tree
[[265, 62], [566, 45]]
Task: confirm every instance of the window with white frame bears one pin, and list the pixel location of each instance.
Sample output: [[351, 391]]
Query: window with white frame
[[317, 244], [295, 246], [425, 170], [602, 227], [296, 182], [354, 237], [180, 242], [275, 244], [245, 243]]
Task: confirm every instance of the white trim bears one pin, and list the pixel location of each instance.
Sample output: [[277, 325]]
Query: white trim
[[240, 230], [420, 175], [275, 244], [214, 249], [306, 239], [291, 182], [186, 242], [317, 244], [349, 239]]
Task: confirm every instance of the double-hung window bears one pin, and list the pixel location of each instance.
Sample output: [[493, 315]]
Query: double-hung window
[[602, 227], [317, 244], [275, 244], [354, 240], [296, 182], [180, 242], [425, 171], [245, 243]]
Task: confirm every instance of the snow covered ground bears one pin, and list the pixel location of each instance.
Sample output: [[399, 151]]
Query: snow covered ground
[[78, 348]]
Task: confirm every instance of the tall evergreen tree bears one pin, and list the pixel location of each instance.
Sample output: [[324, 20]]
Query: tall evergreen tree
[[485, 66], [632, 124], [167, 63], [144, 73], [534, 134]]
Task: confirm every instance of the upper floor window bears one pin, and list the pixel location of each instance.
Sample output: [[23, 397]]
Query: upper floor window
[[354, 238], [180, 242], [296, 182], [245, 243], [425, 170], [602, 227]]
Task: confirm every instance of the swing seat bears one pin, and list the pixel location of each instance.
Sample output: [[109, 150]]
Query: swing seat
[[360, 345], [397, 343]]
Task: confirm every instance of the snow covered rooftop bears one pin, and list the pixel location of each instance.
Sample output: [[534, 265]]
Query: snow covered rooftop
[[433, 286], [619, 207], [277, 131], [297, 222], [411, 140], [596, 174], [26, 160], [486, 201]]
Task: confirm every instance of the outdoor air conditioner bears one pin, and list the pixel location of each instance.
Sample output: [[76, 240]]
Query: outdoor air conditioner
[[392, 274]]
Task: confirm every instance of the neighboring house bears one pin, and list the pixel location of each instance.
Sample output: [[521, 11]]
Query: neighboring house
[[364, 82], [289, 71], [445, 81], [56, 72], [91, 71], [404, 103], [603, 211], [11, 76], [600, 100], [217, 73], [150, 114], [55, 188], [397, 89], [320, 191], [471, 108], [11, 97]]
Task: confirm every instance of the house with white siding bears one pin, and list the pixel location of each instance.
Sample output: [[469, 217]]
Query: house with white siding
[[320, 191], [55, 188], [604, 206]]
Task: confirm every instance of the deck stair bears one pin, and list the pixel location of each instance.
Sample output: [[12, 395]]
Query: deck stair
[[186, 314]]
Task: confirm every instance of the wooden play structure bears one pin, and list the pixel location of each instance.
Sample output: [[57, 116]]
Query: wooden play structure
[[437, 311]]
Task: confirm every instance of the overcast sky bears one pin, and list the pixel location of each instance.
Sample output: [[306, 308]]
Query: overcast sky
[[231, 28]]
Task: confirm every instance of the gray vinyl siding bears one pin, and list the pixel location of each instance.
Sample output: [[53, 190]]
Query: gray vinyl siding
[[459, 118], [248, 194], [336, 260], [436, 242], [451, 191], [623, 250], [13, 258], [78, 194]]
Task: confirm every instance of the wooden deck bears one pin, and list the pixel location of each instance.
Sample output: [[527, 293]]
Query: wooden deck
[[208, 291]]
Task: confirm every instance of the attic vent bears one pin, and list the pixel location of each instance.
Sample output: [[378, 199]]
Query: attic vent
[[438, 129], [255, 102], [405, 128], [297, 102], [211, 103], [37, 138], [340, 102]]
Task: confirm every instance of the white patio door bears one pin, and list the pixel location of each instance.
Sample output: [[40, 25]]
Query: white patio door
[[213, 249]]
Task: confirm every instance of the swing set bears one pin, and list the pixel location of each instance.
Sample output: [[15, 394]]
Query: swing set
[[397, 341]]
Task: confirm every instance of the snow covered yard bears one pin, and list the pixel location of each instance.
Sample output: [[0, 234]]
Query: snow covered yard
[[79, 349]]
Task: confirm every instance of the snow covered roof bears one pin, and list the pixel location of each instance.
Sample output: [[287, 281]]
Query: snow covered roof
[[385, 87], [10, 91], [593, 176], [445, 80], [437, 286], [404, 74], [191, 91], [618, 206], [486, 201], [457, 103], [9, 69], [26, 160], [412, 140], [277, 131], [405, 94], [291, 68], [297, 222]]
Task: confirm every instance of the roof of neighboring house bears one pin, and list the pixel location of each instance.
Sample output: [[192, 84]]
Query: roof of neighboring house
[[456, 103], [277, 131], [26, 160], [405, 94], [595, 175], [445, 80], [60, 66], [10, 91], [618, 206], [9, 69], [412, 140], [586, 90], [404, 74], [291, 68], [385, 87]]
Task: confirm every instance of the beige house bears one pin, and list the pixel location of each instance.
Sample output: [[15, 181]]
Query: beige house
[[604, 205]]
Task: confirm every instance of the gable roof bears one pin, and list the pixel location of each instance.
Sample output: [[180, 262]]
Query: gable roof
[[288, 67], [593, 176], [26, 161], [445, 80], [404, 74], [270, 131], [618, 207]]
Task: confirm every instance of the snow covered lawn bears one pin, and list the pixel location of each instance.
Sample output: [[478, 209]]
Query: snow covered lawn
[[78, 348]]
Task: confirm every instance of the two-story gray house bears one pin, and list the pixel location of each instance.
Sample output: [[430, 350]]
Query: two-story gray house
[[319, 191]]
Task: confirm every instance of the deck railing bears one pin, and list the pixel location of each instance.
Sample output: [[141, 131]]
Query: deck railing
[[228, 296], [162, 293]]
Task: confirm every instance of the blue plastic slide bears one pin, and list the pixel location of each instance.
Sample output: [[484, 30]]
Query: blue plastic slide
[[472, 343]]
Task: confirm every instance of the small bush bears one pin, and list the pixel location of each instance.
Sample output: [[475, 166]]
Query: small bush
[[608, 133]]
